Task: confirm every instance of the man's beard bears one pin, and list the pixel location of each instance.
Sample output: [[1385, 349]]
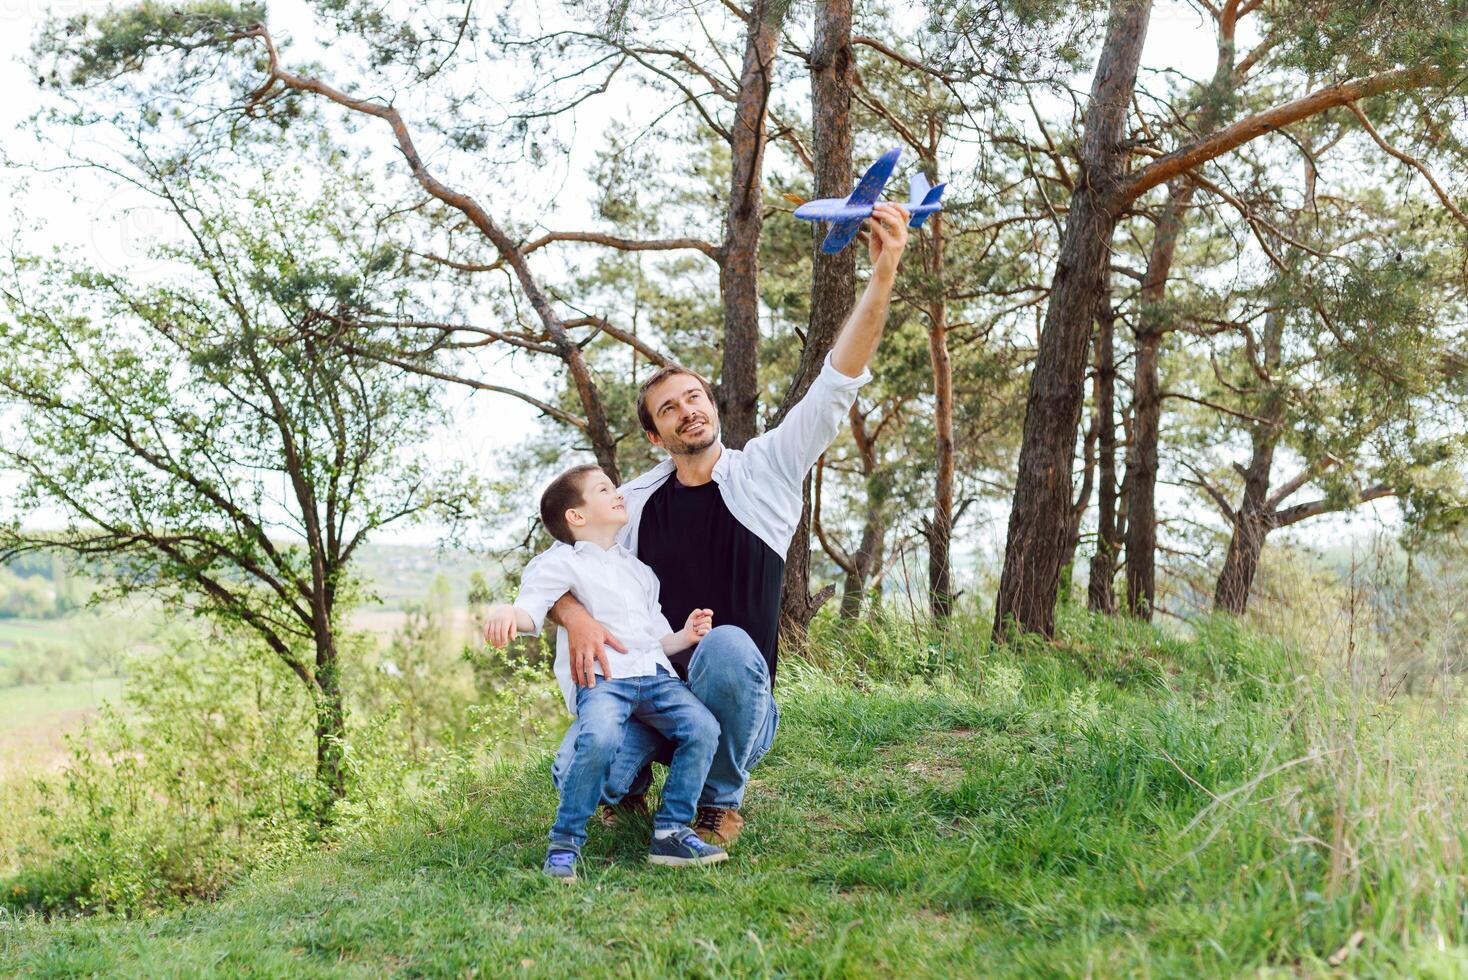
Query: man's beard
[[681, 447]]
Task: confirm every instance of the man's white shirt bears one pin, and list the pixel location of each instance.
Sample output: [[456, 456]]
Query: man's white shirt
[[617, 589], [761, 484]]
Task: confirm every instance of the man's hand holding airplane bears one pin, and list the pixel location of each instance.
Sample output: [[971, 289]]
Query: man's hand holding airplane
[[886, 238]]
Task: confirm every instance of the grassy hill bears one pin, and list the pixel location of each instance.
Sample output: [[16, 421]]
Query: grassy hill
[[1125, 804]]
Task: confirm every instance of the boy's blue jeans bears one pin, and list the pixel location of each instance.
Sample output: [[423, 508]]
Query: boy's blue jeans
[[728, 674], [664, 703]]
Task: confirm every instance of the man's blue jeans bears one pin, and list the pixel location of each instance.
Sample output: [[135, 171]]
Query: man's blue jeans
[[728, 674], [660, 701]]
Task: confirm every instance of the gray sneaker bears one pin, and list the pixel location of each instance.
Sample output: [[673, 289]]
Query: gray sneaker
[[683, 848], [560, 864]]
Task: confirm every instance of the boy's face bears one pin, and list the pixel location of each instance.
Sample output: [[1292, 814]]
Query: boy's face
[[601, 507]]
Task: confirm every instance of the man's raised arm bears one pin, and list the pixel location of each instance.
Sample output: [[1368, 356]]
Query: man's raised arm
[[790, 449], [858, 338]]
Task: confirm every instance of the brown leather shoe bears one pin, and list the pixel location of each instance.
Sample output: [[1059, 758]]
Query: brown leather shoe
[[631, 806], [718, 826]]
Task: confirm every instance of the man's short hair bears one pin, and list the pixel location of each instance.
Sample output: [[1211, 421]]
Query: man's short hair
[[565, 492], [644, 414]]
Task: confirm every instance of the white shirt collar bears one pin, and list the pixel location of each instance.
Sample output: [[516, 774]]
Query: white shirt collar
[[592, 548]]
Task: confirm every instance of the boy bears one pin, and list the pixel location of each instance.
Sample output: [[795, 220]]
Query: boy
[[583, 512]]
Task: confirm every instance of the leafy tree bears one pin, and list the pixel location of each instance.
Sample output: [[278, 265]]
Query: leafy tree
[[1380, 61], [212, 435]]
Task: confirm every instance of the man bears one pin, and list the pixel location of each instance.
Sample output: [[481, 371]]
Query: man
[[715, 525]]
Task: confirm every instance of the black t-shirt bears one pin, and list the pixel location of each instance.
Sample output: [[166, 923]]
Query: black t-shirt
[[705, 559]]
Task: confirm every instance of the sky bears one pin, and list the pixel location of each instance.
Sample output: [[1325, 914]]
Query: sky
[[115, 229]]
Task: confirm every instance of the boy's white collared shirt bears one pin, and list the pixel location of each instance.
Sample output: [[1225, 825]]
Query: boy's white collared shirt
[[762, 483], [617, 589]]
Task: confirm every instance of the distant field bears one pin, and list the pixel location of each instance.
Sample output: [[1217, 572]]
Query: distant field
[[35, 719], [42, 632], [382, 623], [399, 573], [34, 706]]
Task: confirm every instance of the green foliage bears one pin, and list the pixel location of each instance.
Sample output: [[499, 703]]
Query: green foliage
[[204, 769], [1337, 39], [421, 678], [222, 436], [89, 47]]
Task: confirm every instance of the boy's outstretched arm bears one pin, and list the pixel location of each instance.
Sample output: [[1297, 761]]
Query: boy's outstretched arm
[[504, 622]]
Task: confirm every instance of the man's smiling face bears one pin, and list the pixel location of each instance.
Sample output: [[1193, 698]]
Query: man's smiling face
[[686, 419]]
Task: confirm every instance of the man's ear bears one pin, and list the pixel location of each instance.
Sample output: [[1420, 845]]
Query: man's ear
[[655, 439]]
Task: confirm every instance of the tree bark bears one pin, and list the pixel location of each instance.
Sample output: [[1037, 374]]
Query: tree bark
[[1099, 590], [833, 277], [738, 390], [1254, 518], [1141, 542], [1035, 541], [1078, 509], [1251, 525], [797, 606], [868, 555], [940, 526]]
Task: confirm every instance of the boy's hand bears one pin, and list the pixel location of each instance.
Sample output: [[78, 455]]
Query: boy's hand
[[499, 626], [700, 621]]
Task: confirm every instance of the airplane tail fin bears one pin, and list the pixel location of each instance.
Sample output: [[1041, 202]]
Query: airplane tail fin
[[923, 193], [917, 188]]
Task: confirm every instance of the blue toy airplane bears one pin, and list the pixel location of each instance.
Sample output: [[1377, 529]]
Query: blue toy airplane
[[847, 214]]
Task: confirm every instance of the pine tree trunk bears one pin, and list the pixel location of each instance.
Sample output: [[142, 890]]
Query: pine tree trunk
[[1252, 522], [797, 606], [1141, 529], [833, 279], [868, 556], [1141, 545], [738, 389], [1099, 590], [1142, 460], [1231, 592], [1035, 543], [940, 525], [1255, 516], [1078, 509]]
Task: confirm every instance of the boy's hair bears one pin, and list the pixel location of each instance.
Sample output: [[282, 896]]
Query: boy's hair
[[644, 414], [565, 492]]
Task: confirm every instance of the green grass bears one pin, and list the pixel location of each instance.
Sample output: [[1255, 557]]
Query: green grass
[[1122, 804]]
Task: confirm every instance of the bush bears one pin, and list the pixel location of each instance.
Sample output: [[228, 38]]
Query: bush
[[207, 769], [204, 770]]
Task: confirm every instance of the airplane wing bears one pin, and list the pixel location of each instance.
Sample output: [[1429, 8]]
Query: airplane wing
[[875, 178], [840, 235]]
